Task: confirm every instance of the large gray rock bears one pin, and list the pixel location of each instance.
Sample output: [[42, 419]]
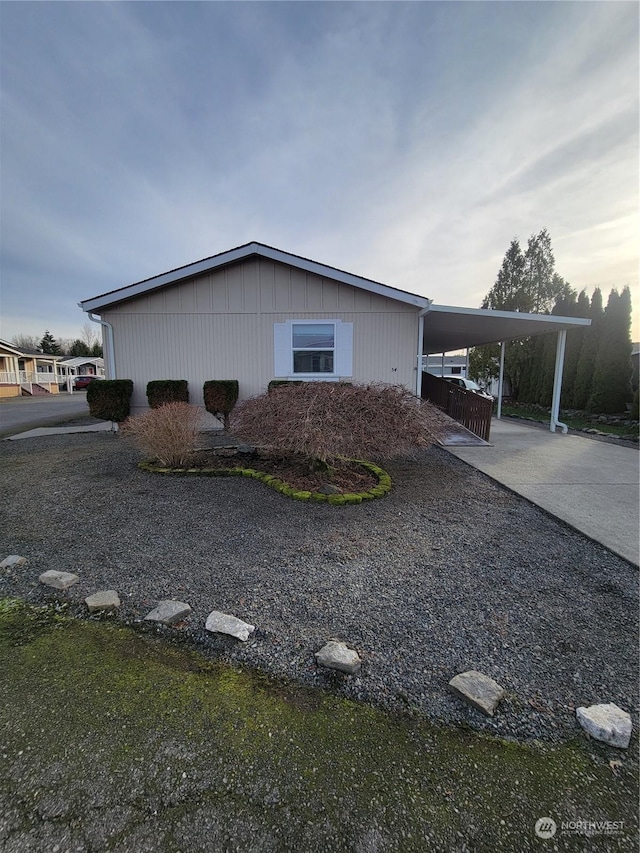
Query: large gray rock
[[58, 580], [169, 612], [335, 655], [12, 561], [105, 599], [329, 489], [478, 690], [607, 723], [222, 623]]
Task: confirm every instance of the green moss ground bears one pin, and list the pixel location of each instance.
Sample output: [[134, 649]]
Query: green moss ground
[[116, 741]]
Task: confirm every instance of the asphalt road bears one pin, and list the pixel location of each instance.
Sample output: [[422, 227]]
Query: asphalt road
[[18, 414]]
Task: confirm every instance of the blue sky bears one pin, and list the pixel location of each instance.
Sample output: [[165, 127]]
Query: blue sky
[[405, 142]]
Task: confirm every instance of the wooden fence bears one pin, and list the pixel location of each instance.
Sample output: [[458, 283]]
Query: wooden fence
[[469, 409]]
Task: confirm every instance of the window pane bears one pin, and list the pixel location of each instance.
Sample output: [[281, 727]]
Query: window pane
[[310, 335], [313, 361]]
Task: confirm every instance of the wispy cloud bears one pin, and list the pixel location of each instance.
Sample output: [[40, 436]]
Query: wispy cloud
[[404, 141]]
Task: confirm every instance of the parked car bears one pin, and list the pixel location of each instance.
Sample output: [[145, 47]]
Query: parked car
[[468, 385], [81, 382]]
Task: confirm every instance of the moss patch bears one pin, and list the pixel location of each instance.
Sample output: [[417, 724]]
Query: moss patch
[[110, 735], [383, 487]]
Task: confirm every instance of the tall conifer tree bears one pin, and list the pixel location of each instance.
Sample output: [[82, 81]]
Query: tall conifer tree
[[588, 352], [611, 388]]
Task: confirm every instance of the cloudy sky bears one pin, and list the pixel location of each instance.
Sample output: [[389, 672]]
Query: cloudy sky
[[405, 142]]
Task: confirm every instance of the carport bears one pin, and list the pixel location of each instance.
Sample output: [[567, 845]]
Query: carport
[[445, 328]]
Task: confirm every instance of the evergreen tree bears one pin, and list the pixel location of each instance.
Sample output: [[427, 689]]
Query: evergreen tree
[[611, 388], [96, 350], [49, 345], [588, 352], [575, 337], [79, 347], [539, 284], [503, 296], [526, 282]]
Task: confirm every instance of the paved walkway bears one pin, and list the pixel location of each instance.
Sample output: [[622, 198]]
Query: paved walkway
[[40, 431], [592, 485]]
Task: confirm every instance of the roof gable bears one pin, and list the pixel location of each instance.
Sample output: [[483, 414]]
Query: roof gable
[[241, 253]]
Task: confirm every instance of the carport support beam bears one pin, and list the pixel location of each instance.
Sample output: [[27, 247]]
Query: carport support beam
[[500, 380], [557, 384]]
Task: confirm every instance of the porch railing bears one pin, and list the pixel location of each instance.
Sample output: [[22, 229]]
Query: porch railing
[[469, 409], [27, 378]]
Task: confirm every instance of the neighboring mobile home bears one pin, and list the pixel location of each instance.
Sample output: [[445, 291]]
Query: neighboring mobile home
[[24, 372], [256, 313]]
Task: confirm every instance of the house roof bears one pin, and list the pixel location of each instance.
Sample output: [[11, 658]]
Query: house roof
[[448, 328], [77, 360], [34, 353], [12, 349], [249, 250]]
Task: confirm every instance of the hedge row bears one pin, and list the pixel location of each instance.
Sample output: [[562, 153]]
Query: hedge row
[[110, 400]]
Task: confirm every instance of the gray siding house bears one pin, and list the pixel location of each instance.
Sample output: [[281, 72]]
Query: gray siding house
[[256, 313]]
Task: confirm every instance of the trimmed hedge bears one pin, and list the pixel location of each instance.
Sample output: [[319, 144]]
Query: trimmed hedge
[[220, 396], [161, 391], [110, 399]]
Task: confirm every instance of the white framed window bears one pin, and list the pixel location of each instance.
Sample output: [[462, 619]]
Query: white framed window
[[313, 346], [313, 349]]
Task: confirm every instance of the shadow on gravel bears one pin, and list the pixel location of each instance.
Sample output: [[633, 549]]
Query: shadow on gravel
[[116, 741]]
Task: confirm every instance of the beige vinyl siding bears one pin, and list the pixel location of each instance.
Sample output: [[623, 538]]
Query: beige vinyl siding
[[220, 326]]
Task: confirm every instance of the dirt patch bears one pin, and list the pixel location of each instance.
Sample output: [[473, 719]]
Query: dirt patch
[[349, 477]]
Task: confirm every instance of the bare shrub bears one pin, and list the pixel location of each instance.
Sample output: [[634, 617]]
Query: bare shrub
[[323, 421], [168, 434]]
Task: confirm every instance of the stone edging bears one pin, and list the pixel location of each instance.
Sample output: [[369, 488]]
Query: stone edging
[[379, 491]]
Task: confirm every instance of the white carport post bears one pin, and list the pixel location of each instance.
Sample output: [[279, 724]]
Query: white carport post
[[557, 384], [500, 380], [420, 351]]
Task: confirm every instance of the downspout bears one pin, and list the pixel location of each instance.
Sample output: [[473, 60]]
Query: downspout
[[557, 384], [111, 361]]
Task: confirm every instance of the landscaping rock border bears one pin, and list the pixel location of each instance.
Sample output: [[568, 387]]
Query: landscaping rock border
[[343, 499], [605, 722]]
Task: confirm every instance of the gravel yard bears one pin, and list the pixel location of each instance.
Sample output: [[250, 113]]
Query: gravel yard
[[449, 572]]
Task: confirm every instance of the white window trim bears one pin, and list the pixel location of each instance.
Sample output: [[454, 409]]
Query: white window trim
[[334, 349], [340, 358]]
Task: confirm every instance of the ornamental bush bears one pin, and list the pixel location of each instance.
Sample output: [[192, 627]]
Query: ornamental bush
[[110, 399], [220, 396], [168, 434], [162, 391], [323, 422]]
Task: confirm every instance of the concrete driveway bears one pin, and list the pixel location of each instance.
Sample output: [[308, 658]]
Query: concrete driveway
[[592, 485], [21, 413]]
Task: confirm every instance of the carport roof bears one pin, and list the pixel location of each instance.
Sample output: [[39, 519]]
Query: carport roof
[[447, 328]]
